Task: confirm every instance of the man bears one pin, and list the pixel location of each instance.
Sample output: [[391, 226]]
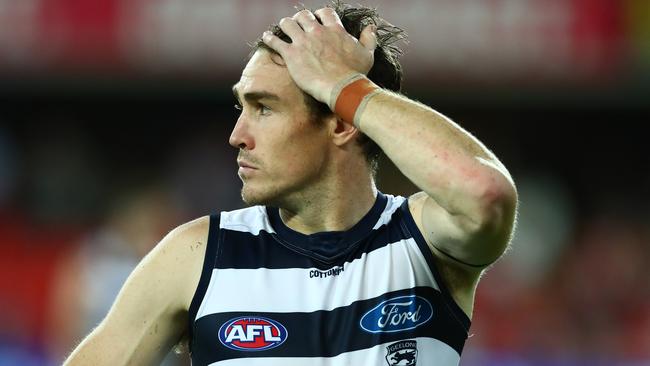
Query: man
[[323, 269]]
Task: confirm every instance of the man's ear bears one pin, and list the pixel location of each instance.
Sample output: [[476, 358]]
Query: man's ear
[[340, 131]]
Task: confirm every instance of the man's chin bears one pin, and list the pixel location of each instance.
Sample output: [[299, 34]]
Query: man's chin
[[254, 198], [251, 201]]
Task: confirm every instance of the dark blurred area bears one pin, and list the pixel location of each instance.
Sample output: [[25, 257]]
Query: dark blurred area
[[114, 125]]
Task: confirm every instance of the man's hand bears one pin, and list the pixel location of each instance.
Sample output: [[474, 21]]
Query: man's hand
[[322, 55]]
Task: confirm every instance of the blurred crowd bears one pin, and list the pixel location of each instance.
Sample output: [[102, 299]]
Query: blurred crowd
[[71, 231], [571, 291]]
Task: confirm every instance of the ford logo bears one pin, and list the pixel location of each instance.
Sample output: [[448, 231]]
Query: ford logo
[[397, 314]]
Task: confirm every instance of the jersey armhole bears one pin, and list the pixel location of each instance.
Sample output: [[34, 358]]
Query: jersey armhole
[[206, 273], [411, 227]]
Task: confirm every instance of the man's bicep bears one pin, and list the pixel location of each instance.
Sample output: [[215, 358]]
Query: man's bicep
[[137, 330], [149, 314], [454, 238]]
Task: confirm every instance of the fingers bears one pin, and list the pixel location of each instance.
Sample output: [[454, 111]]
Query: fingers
[[306, 20], [368, 37], [328, 17], [291, 28], [275, 43], [295, 27]]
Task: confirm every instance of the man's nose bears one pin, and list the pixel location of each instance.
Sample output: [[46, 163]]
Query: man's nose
[[241, 137]]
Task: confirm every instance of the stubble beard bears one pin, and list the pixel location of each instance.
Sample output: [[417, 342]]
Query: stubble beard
[[251, 198], [268, 196], [282, 195]]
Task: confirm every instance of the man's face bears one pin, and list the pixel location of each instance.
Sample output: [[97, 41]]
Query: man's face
[[281, 149]]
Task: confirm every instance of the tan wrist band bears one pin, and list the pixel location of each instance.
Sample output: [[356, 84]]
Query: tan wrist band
[[353, 97]]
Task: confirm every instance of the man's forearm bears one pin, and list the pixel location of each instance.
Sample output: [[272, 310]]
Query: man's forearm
[[437, 155]]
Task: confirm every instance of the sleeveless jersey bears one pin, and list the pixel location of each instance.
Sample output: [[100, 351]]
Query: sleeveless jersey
[[371, 295]]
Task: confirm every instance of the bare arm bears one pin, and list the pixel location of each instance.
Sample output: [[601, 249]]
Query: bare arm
[[150, 313], [466, 210], [471, 202], [470, 207]]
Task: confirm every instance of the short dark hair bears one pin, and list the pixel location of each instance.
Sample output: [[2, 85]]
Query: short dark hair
[[385, 72]]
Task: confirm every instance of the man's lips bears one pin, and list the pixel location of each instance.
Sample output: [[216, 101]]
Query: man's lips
[[244, 164]]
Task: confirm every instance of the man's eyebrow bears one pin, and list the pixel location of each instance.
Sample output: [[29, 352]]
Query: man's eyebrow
[[255, 95]]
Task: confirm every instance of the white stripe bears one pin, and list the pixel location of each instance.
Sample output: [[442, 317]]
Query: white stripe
[[396, 266], [254, 219], [251, 220], [393, 204], [430, 352]]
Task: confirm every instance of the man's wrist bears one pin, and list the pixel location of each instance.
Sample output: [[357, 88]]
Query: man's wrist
[[350, 96], [336, 90]]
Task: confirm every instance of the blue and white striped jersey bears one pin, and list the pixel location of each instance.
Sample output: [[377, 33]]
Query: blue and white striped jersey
[[370, 295]]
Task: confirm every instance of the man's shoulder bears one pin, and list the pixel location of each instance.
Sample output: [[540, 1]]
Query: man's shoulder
[[184, 241], [194, 228]]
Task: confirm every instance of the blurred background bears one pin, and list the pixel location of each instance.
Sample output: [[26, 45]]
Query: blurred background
[[115, 115]]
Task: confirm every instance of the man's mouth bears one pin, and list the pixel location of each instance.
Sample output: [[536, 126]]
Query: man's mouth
[[245, 164]]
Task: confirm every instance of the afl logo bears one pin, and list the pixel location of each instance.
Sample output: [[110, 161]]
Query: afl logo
[[252, 334], [397, 314]]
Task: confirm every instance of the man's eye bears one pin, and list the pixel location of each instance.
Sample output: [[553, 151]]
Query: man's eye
[[264, 110]]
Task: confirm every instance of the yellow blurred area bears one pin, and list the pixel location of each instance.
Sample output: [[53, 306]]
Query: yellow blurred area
[[638, 13]]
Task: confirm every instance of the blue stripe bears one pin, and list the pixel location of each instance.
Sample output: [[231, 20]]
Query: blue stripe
[[328, 246], [243, 250], [328, 333]]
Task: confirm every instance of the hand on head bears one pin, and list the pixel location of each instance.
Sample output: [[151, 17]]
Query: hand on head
[[322, 52]]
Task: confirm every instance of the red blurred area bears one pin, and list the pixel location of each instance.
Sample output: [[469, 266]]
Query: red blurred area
[[79, 33], [529, 42], [599, 38], [29, 258]]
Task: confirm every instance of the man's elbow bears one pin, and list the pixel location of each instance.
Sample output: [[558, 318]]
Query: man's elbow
[[495, 222], [497, 202]]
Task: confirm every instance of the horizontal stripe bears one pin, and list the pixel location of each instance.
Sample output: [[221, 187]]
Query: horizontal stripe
[[430, 352], [243, 250], [392, 267], [330, 333], [254, 219], [250, 220]]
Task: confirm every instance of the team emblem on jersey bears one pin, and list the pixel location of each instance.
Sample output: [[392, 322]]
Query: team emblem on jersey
[[397, 314], [252, 334], [402, 353]]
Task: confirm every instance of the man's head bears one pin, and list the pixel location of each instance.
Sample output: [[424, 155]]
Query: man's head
[[281, 150], [385, 72], [291, 140]]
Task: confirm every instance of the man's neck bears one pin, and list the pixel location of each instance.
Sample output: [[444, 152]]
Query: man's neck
[[332, 209]]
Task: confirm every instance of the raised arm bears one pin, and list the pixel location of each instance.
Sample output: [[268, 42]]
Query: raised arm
[[467, 206], [150, 313], [469, 210]]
